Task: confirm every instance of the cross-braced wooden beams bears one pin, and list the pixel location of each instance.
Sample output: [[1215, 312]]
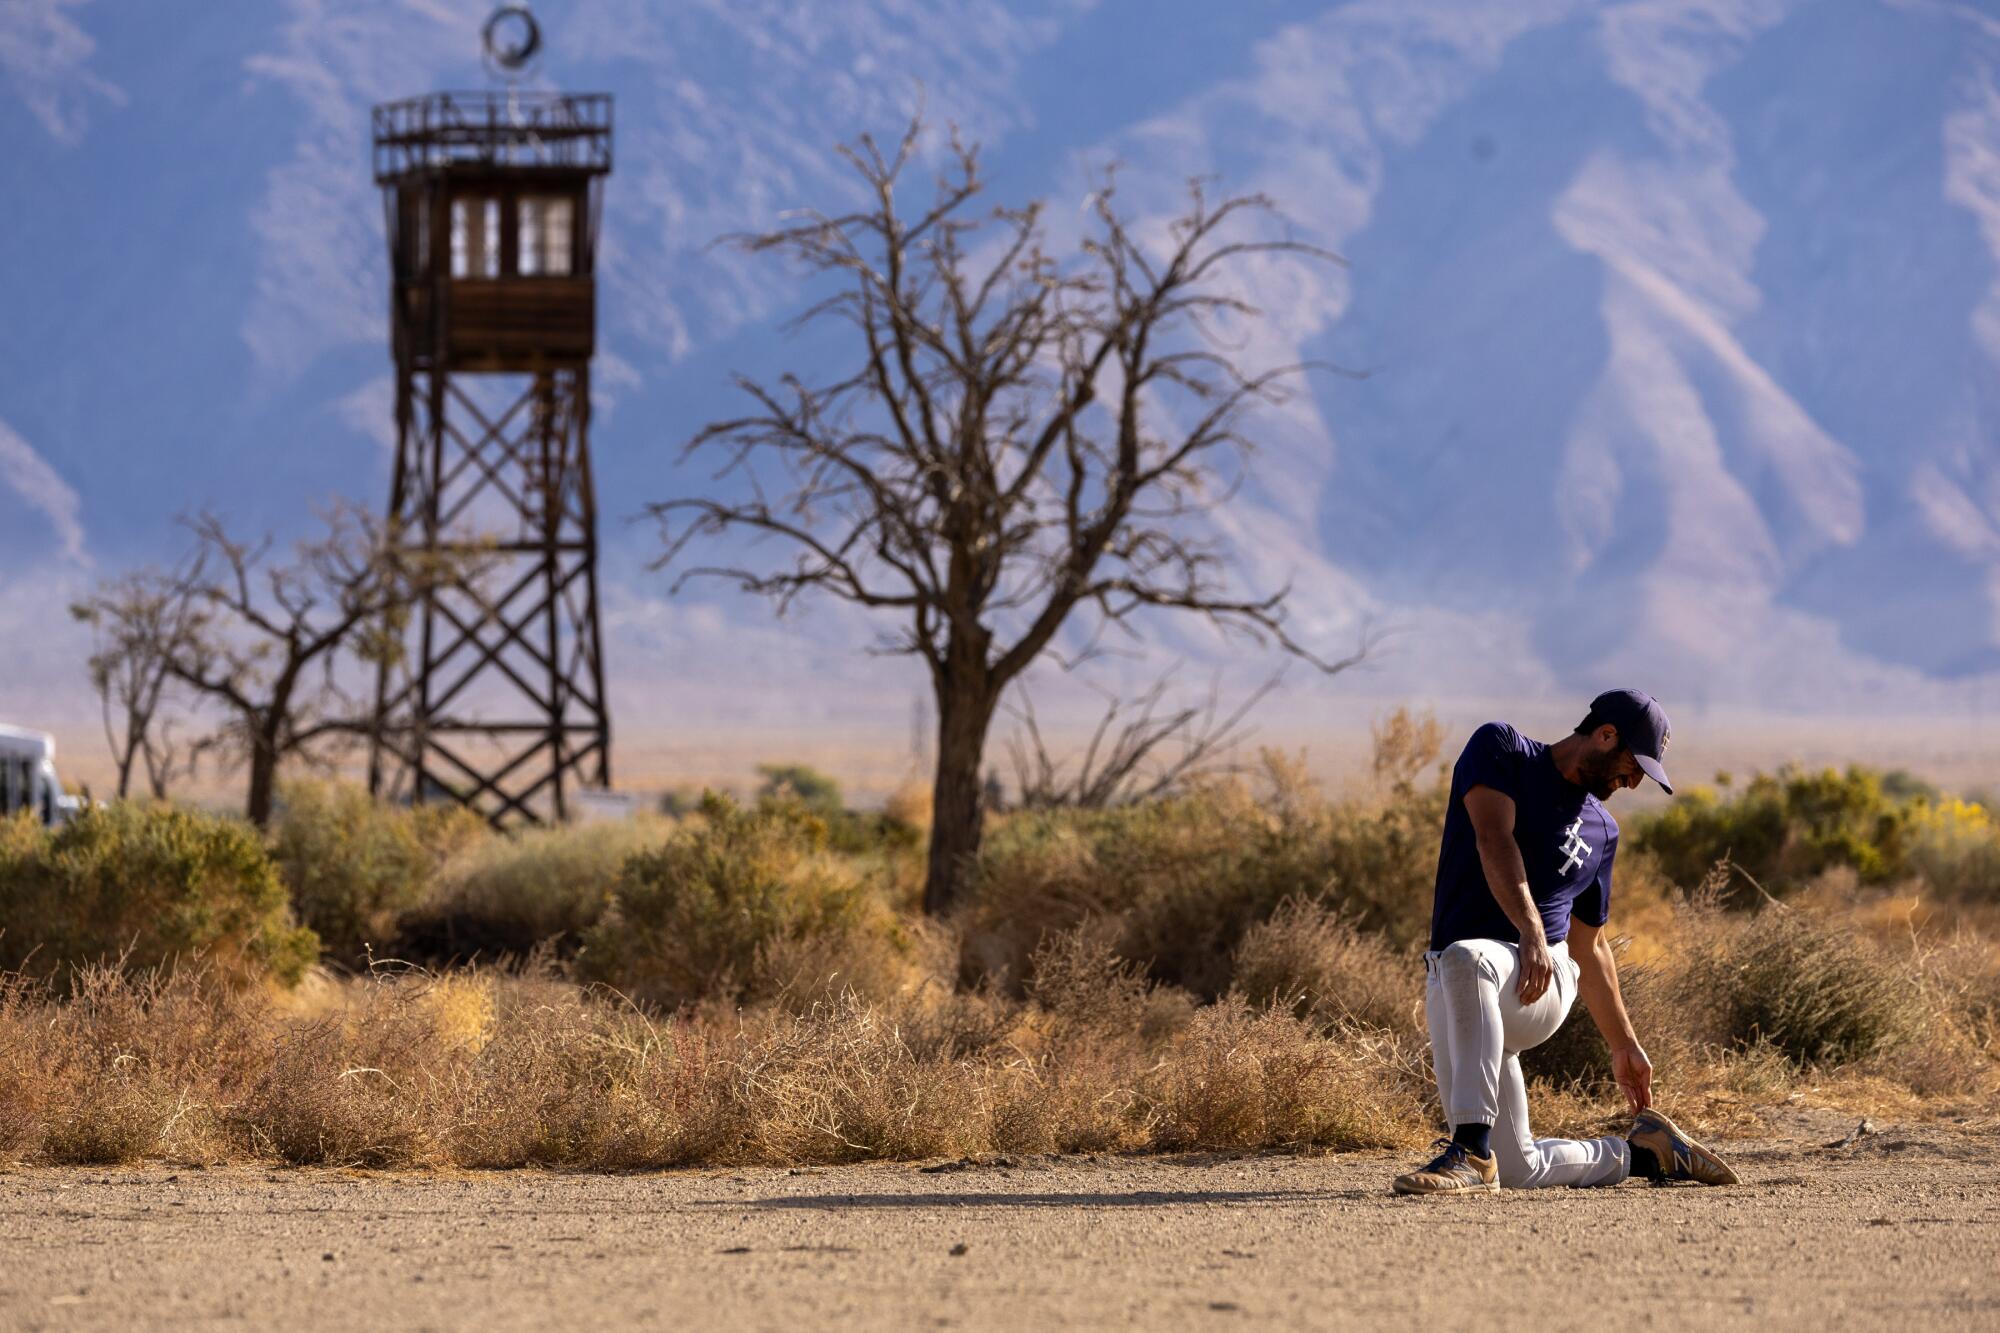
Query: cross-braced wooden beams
[[499, 703]]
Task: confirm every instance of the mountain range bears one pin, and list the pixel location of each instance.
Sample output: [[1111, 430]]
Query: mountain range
[[1674, 324]]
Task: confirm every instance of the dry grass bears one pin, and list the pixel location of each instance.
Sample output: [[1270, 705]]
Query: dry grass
[[485, 1068], [1234, 969], [1308, 958], [1237, 1078]]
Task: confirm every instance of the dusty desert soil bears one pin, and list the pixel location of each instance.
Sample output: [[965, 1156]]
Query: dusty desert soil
[[1902, 1228]]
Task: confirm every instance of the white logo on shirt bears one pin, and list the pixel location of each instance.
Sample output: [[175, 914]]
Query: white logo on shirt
[[1574, 847]]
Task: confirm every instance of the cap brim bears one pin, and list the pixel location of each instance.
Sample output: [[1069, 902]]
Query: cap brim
[[1651, 768]]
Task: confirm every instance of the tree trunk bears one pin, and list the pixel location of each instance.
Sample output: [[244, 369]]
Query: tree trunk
[[263, 777], [125, 766], [965, 711]]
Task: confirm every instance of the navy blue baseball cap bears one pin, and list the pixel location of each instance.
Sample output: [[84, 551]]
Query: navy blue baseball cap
[[1642, 728]]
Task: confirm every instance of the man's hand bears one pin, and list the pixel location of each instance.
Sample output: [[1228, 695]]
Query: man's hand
[[1538, 968], [1634, 1073]]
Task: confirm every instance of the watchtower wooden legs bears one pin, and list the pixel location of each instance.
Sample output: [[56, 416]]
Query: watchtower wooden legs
[[498, 700]]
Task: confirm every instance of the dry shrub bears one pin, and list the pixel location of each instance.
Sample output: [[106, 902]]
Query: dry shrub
[[877, 961], [1644, 908], [144, 887], [24, 1081], [938, 1021], [1955, 1038], [1185, 877], [1084, 1045], [355, 865], [1310, 959], [1208, 867], [373, 1083], [910, 806], [842, 1084], [574, 1078], [506, 896], [1086, 1100], [1084, 995], [1086, 990], [1740, 1007], [688, 918], [1759, 1073], [1811, 987], [1238, 1078], [319, 1104], [1037, 873], [123, 1066], [1961, 986]]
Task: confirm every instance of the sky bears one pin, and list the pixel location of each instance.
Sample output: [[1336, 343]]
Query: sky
[[1678, 322]]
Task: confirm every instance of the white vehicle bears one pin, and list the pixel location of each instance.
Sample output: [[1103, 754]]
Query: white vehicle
[[28, 778]]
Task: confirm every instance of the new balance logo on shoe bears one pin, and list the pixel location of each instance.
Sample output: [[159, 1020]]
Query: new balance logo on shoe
[[1680, 1157]]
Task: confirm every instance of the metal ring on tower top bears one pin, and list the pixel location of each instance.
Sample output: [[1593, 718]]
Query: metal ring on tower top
[[512, 37]]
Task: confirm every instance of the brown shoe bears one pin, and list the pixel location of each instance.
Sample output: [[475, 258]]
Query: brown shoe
[[1680, 1157], [1453, 1171]]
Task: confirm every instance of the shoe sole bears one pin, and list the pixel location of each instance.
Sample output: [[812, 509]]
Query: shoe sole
[[1418, 1190]]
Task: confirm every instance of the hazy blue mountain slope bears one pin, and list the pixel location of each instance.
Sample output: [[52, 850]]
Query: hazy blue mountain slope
[[1680, 318]]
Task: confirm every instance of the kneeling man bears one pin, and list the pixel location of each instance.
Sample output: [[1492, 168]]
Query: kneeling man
[[1517, 934]]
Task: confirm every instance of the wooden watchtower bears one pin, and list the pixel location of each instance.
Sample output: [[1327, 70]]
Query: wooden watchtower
[[492, 202]]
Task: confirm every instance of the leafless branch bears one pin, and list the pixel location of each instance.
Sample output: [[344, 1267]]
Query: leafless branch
[[262, 641], [1124, 765]]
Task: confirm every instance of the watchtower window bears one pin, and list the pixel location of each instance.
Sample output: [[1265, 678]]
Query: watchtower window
[[475, 237], [546, 237]]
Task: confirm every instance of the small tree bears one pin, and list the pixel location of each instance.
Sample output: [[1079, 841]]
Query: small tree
[[138, 622], [268, 640], [1004, 451]]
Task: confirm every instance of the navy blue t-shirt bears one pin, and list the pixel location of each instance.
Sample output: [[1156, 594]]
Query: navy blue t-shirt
[[1567, 839]]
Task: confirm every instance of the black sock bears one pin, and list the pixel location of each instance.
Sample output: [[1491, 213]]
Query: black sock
[[1475, 1139], [1645, 1162]]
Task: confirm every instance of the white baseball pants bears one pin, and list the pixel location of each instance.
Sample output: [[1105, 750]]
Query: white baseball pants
[[1479, 1027]]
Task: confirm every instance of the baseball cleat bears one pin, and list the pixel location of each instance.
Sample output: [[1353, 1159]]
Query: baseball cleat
[[1453, 1171], [1681, 1158]]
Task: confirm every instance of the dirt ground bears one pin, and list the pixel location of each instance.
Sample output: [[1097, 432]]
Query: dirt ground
[[1900, 1228]]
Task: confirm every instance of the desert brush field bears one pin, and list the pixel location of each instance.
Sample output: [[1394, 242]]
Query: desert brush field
[[1187, 1030]]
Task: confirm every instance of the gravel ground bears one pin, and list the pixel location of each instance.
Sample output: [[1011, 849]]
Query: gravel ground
[[1901, 1228]]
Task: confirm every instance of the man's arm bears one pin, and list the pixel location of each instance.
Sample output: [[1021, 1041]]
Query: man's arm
[[1597, 984], [1492, 815]]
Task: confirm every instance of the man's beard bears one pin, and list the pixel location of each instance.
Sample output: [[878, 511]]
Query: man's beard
[[1598, 774]]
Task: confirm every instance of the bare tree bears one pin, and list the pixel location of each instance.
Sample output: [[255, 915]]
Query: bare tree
[[270, 639], [139, 622], [1005, 451], [1151, 753]]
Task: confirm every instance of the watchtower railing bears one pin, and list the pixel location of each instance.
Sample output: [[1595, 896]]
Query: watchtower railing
[[497, 128]]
